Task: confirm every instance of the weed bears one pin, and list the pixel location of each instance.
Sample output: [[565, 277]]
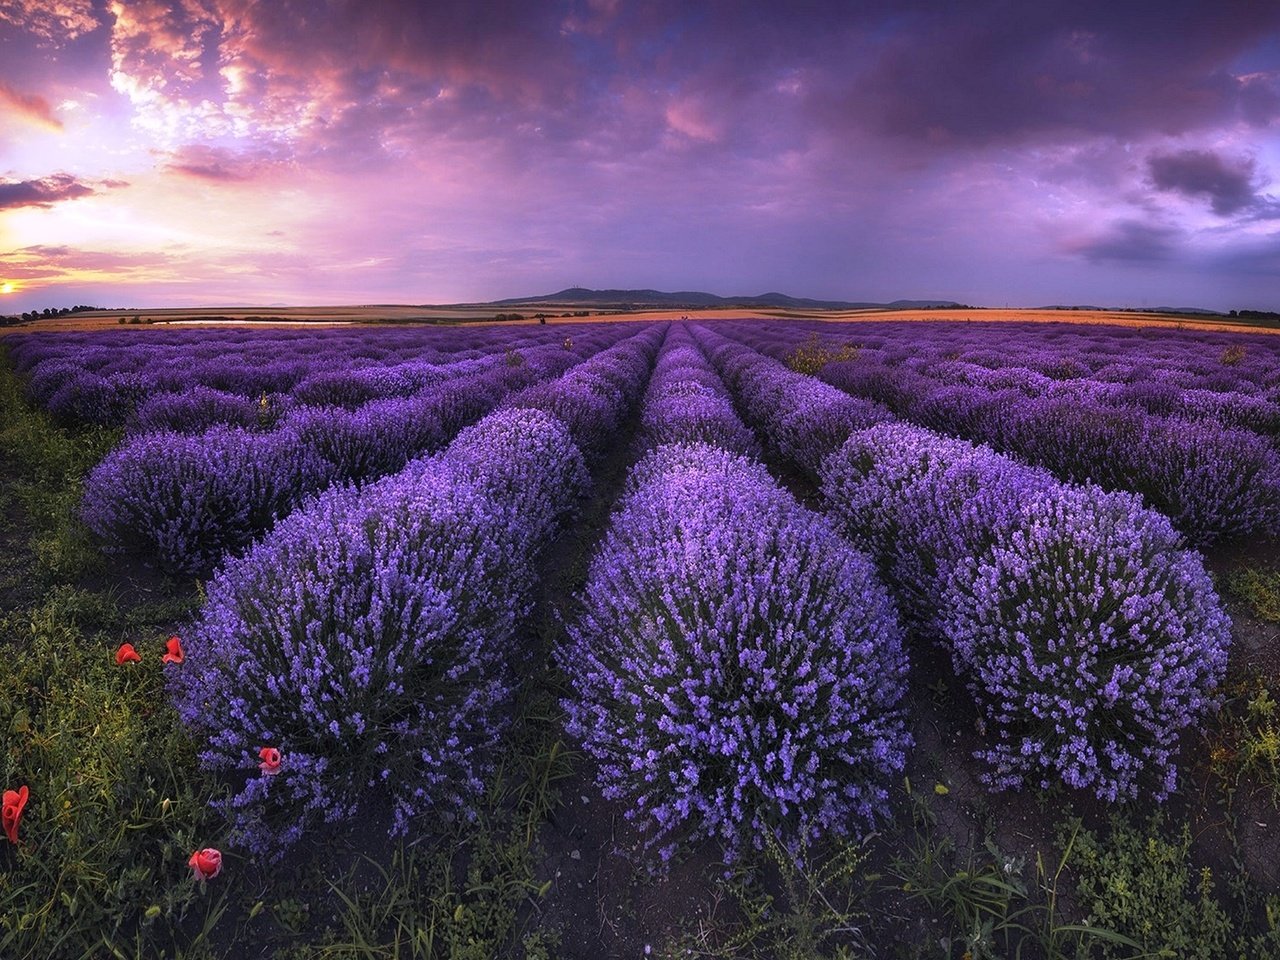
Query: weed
[[812, 355], [117, 804], [1246, 742], [1232, 355], [986, 903], [1136, 881], [1260, 589], [802, 907], [51, 462]]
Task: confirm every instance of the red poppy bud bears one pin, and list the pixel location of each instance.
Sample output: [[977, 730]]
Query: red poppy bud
[[205, 864], [14, 801], [127, 654], [270, 764], [175, 654]]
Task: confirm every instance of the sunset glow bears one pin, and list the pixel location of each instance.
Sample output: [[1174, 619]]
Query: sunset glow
[[228, 151]]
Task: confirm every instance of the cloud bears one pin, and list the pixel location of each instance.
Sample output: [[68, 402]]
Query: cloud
[[29, 106], [53, 22], [44, 192], [1259, 99], [1129, 241], [215, 164], [51, 263], [963, 75], [1227, 184]]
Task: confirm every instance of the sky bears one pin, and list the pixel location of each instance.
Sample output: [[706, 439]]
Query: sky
[[995, 152]]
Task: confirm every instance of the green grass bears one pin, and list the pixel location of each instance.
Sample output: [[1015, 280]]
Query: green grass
[[50, 463], [116, 801]]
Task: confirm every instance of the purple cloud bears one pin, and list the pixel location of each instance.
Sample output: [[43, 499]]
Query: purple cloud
[[1227, 184], [1130, 241], [47, 191]]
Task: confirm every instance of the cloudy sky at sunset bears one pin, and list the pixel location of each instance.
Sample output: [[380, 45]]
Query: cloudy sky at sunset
[[369, 151]]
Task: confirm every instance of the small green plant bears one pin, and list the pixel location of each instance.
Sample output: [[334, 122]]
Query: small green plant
[[810, 906], [1260, 589], [1245, 745], [1232, 355], [460, 896], [987, 905], [1142, 884], [812, 355]]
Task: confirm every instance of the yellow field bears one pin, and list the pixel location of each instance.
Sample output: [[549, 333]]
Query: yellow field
[[382, 313]]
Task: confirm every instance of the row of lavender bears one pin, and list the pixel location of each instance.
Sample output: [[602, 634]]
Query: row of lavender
[[736, 668], [186, 379], [185, 500], [1087, 636], [371, 637], [1214, 480], [1192, 373]]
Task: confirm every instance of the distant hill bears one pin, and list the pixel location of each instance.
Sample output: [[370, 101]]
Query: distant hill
[[697, 298], [1190, 310]]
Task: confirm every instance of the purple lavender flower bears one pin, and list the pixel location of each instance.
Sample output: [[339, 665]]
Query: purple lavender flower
[[369, 637], [1090, 639], [737, 668]]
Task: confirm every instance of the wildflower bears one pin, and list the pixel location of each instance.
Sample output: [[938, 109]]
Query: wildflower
[[205, 864], [175, 654], [14, 801], [127, 654], [270, 764]]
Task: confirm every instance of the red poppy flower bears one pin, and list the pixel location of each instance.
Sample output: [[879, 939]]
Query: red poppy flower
[[126, 654], [205, 864], [175, 654], [14, 801], [270, 764]]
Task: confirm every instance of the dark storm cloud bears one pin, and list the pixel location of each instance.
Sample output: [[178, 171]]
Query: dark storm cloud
[[47, 191], [974, 74], [1259, 100], [1130, 241], [614, 76], [1228, 185]]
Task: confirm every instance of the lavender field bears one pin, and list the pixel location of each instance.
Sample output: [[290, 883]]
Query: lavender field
[[688, 639]]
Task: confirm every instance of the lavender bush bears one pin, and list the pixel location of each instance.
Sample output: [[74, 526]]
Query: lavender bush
[[1090, 639], [198, 408], [369, 637], [921, 503], [737, 668], [185, 501], [687, 403]]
